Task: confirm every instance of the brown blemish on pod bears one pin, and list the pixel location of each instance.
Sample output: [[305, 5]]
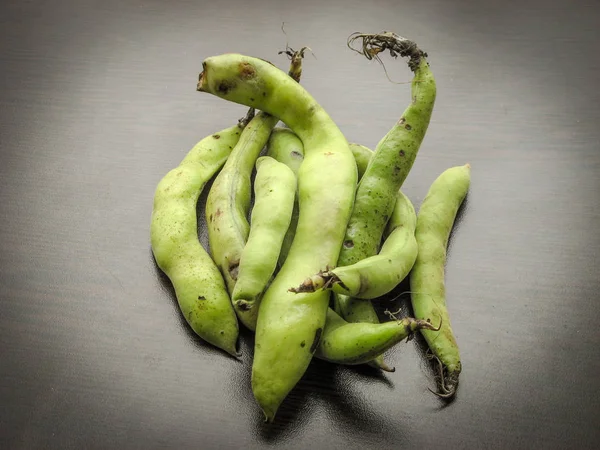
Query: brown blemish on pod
[[247, 71], [225, 86]]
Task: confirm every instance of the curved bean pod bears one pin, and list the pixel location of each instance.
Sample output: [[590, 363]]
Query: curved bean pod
[[376, 275], [434, 223], [275, 189], [388, 168], [228, 204], [199, 287], [358, 343], [289, 326]]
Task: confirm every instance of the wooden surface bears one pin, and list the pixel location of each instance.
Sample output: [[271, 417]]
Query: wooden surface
[[98, 102]]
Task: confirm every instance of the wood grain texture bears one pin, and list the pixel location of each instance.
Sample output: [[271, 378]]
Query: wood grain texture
[[98, 102]]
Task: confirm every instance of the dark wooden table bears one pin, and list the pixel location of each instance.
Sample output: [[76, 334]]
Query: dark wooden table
[[98, 102]]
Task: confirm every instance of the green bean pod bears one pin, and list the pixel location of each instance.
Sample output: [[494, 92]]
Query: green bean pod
[[388, 168], [275, 189], [376, 275], [228, 204], [290, 325], [199, 287], [434, 223], [358, 343], [287, 148]]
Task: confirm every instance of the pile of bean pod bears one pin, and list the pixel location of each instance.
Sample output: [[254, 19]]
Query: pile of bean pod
[[329, 230]]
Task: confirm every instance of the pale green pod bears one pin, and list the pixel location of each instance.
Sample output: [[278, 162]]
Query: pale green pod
[[228, 204], [358, 343], [388, 167], [228, 201], [199, 287], [428, 292], [275, 189]]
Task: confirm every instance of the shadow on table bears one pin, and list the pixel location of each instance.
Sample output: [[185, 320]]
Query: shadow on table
[[168, 287], [331, 386]]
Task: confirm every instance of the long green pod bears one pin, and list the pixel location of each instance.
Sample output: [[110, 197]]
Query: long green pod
[[434, 223], [228, 201], [275, 189], [287, 148], [228, 204], [358, 343], [388, 168], [289, 326], [199, 287], [376, 275]]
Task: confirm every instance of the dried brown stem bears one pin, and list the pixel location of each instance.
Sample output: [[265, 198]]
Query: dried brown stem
[[373, 44]]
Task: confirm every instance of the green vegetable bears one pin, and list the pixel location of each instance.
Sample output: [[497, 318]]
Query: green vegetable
[[199, 287], [228, 204], [388, 168], [289, 326], [399, 238], [275, 189], [376, 275], [287, 147], [434, 223], [358, 343]]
